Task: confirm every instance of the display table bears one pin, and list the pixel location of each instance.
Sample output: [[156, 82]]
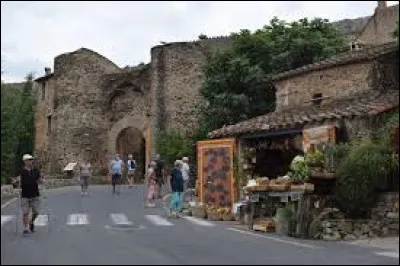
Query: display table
[[258, 196]]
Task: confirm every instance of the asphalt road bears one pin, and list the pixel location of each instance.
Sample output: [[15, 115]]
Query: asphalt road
[[103, 229]]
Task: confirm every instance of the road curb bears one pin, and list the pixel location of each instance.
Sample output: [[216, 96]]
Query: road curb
[[14, 198]]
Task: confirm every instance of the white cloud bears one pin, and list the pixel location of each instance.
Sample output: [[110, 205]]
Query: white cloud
[[33, 33]]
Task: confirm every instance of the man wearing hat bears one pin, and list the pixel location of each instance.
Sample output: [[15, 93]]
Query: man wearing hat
[[28, 180]]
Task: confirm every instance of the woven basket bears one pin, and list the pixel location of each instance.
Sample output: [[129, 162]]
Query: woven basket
[[279, 187], [228, 217], [258, 188], [214, 216], [303, 187], [199, 213]]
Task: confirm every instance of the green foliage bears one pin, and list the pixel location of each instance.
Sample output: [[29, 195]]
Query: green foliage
[[17, 126], [237, 83], [334, 154], [383, 135], [285, 214], [361, 173], [396, 32], [299, 169], [315, 159], [173, 146]]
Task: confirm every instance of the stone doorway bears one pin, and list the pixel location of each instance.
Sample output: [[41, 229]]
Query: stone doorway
[[131, 141]]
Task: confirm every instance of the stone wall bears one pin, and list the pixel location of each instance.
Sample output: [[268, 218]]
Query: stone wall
[[78, 124], [380, 27], [331, 224], [176, 82], [332, 82], [183, 79]]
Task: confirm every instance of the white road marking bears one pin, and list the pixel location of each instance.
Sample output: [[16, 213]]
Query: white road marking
[[392, 254], [8, 203], [273, 238], [41, 220], [6, 218], [199, 221], [78, 219], [120, 218], [158, 220]]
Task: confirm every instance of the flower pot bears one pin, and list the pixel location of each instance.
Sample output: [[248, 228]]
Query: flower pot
[[213, 216], [228, 217], [199, 213]]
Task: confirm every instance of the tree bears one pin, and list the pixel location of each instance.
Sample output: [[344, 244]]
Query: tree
[[173, 146], [237, 82], [17, 126]]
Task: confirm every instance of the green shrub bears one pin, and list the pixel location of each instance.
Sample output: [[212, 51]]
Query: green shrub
[[361, 173], [173, 146], [315, 159], [334, 154]]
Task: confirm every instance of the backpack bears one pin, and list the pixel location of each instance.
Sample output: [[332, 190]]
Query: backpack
[[133, 164]]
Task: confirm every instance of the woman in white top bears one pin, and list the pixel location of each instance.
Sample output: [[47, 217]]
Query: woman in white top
[[131, 170]]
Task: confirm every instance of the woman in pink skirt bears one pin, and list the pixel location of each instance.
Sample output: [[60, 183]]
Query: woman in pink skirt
[[151, 185]]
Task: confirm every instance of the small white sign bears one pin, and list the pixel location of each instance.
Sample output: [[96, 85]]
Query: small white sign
[[70, 167]]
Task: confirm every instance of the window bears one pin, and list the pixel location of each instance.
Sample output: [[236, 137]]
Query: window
[[43, 91], [317, 98], [48, 125]]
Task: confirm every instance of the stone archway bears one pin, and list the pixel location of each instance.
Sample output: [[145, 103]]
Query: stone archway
[[129, 125], [131, 141]]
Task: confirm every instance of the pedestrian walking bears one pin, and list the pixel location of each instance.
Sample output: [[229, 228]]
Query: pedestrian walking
[[160, 174], [152, 185], [185, 174], [116, 166], [176, 184], [131, 170], [28, 180], [85, 175]]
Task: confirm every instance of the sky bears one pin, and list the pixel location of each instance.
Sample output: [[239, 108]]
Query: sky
[[34, 32]]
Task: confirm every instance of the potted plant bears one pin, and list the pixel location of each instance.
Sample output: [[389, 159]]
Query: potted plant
[[199, 211], [299, 170], [284, 218]]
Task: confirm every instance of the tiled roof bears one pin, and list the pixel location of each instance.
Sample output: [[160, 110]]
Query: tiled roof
[[45, 77], [342, 59], [360, 105]]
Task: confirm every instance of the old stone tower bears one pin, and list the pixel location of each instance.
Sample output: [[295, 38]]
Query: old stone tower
[[88, 108]]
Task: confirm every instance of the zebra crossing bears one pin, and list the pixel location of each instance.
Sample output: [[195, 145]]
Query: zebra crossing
[[83, 219]]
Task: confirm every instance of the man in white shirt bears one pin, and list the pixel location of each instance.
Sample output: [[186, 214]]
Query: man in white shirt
[[185, 173]]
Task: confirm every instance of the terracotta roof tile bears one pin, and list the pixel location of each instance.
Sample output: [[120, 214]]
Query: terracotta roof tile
[[358, 105], [342, 59]]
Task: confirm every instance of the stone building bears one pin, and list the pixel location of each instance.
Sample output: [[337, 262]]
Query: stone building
[[355, 84], [343, 97], [88, 108]]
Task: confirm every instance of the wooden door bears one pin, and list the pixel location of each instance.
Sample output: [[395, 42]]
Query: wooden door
[[215, 171]]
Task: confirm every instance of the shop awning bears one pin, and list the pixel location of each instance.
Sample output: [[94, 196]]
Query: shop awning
[[359, 105]]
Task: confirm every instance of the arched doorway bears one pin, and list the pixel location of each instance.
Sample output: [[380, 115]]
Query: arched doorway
[[131, 141]]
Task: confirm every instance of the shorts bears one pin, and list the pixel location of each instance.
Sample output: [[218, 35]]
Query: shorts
[[131, 172], [28, 203], [85, 181], [115, 178]]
